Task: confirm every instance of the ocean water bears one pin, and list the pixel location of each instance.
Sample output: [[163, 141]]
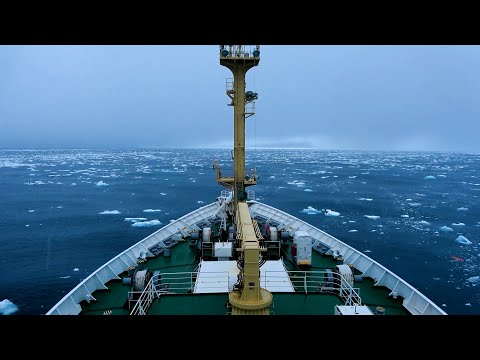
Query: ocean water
[[62, 212]]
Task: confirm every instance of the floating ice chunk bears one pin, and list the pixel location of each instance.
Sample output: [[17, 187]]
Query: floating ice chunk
[[27, 225], [329, 212], [458, 224], [373, 217], [7, 307], [311, 211], [163, 194], [147, 223], [73, 184], [430, 177], [351, 221], [325, 177], [404, 216], [353, 230], [101, 183], [38, 182], [414, 204], [59, 207], [408, 199], [436, 278], [200, 202], [151, 210], [468, 304], [463, 240], [474, 279], [462, 209], [65, 277], [441, 175], [109, 212], [444, 305], [352, 177], [135, 219], [446, 228], [76, 269], [365, 199], [308, 190], [423, 222], [272, 177], [30, 211], [367, 251]]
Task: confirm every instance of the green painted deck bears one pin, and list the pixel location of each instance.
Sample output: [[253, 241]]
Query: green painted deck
[[183, 259]]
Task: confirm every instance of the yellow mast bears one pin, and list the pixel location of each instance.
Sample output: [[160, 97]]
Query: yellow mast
[[248, 298]]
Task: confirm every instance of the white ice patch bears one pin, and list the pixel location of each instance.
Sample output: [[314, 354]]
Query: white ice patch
[[7, 307], [463, 240], [76, 269], [101, 183], [351, 221], [430, 177], [151, 210], [109, 212], [272, 177], [200, 202], [38, 182], [373, 217], [365, 199], [423, 222], [163, 194], [73, 184], [311, 211], [404, 216], [458, 224], [446, 228], [329, 212], [366, 251], [352, 177], [296, 182], [308, 190], [353, 230], [133, 220], [474, 279], [462, 209], [59, 207], [414, 204], [147, 223], [30, 211], [65, 277], [468, 304]]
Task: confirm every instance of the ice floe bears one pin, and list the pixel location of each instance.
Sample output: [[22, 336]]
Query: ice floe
[[311, 211], [154, 222], [135, 219], [458, 224], [31, 211], [365, 199], [474, 279], [272, 177], [414, 204], [446, 228], [468, 304], [373, 217], [352, 177], [73, 184], [7, 307], [404, 216], [151, 210], [308, 190], [462, 209], [109, 212], [38, 182], [59, 207], [163, 194], [430, 177], [463, 240], [329, 212], [367, 251], [353, 230], [76, 269], [200, 202], [65, 277], [423, 222], [101, 183]]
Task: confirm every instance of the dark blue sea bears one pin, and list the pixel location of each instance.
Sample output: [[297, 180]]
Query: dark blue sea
[[418, 214]]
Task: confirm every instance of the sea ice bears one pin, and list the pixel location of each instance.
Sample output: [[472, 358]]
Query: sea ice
[[65, 277], [200, 202], [308, 190], [329, 212], [311, 211], [109, 212], [76, 269], [101, 183], [458, 224], [474, 279], [423, 222], [404, 216], [147, 223], [367, 251], [73, 184], [31, 211], [272, 177], [353, 230], [7, 307], [352, 177], [468, 304], [163, 194], [151, 210], [446, 228], [373, 217], [463, 240], [430, 177], [365, 199], [135, 219], [462, 209]]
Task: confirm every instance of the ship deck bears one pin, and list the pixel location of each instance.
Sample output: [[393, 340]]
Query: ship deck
[[183, 259]]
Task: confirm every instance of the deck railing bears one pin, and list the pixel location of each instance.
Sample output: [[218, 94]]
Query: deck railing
[[217, 282]]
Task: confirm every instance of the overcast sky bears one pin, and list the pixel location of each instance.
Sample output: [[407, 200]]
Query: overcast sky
[[327, 97]]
